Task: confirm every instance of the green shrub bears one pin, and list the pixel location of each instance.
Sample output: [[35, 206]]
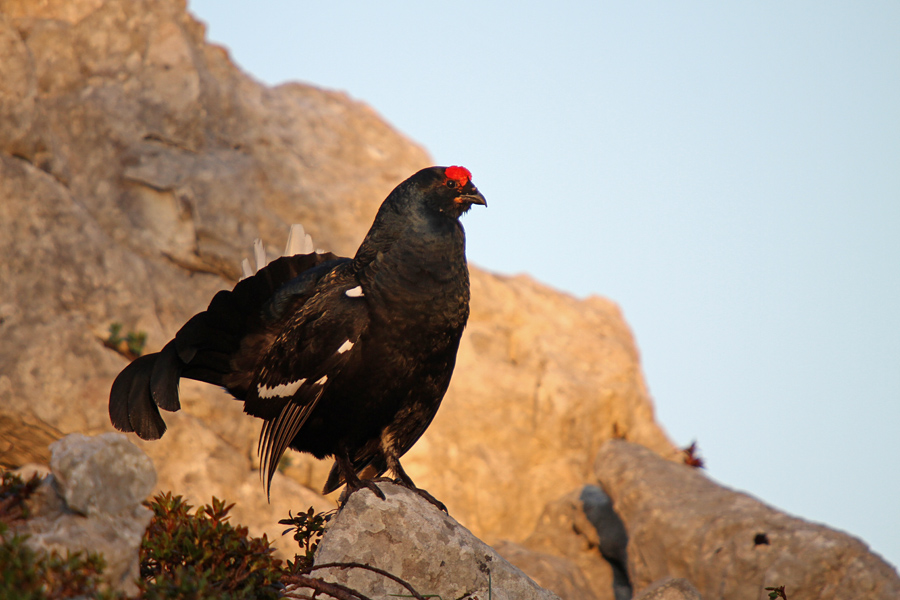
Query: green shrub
[[200, 555], [185, 554], [26, 574], [308, 528]]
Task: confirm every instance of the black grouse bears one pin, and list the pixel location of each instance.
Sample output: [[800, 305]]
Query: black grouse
[[340, 357]]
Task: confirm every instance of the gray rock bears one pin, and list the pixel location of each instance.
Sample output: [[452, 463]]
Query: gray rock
[[92, 503], [611, 537], [106, 474], [728, 544], [669, 588], [410, 538], [582, 527]]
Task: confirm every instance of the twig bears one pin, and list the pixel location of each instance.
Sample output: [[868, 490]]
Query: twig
[[382, 572], [341, 592]]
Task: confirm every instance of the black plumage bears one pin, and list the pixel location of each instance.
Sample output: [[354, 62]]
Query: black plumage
[[340, 357]]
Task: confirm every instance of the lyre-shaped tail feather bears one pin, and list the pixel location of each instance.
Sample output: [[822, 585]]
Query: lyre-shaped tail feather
[[131, 407]]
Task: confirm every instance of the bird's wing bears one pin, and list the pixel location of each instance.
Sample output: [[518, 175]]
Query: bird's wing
[[298, 359]]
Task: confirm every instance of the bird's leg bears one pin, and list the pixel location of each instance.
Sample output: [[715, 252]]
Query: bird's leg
[[407, 482], [352, 479]]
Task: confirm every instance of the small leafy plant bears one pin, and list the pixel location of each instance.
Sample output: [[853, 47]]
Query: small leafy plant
[[777, 592], [691, 456], [308, 528], [199, 555], [30, 575], [14, 491], [130, 346]]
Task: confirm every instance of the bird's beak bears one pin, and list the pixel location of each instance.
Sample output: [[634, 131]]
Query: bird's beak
[[470, 199]]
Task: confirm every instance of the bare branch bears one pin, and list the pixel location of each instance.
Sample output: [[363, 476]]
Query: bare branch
[[382, 572]]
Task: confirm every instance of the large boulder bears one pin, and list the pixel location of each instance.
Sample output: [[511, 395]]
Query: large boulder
[[92, 502], [727, 544], [412, 540], [138, 164]]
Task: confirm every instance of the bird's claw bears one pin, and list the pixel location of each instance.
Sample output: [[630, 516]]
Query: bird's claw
[[423, 494], [369, 484]]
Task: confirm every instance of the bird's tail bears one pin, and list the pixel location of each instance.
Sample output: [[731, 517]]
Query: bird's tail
[[204, 346], [131, 407]]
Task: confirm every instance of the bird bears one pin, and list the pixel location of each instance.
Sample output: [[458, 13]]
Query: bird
[[340, 357]]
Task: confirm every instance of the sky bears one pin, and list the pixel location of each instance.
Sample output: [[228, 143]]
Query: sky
[[728, 173]]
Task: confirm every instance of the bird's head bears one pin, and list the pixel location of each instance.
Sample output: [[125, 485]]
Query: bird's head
[[432, 199], [447, 190]]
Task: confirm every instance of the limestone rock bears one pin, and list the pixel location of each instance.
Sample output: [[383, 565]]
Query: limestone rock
[[92, 502], [104, 474], [138, 164], [411, 539], [728, 544]]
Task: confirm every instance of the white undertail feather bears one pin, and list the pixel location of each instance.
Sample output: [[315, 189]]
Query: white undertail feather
[[259, 251], [246, 269], [298, 242]]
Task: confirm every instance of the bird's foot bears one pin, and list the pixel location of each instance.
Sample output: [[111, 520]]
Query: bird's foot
[[423, 494], [359, 484]]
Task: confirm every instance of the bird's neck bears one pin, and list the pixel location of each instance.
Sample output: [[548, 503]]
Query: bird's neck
[[422, 271]]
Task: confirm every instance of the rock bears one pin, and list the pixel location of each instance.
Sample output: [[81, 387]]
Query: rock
[[106, 474], [92, 503], [138, 164], [411, 539], [611, 536], [559, 575], [728, 544], [582, 527], [564, 530], [669, 588]]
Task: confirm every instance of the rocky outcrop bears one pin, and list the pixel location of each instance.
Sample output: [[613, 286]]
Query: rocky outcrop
[[91, 502], [137, 165], [728, 544], [414, 541]]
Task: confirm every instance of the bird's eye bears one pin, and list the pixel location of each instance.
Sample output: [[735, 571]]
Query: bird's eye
[[451, 184]]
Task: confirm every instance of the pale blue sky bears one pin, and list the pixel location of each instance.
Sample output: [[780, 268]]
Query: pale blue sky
[[729, 173]]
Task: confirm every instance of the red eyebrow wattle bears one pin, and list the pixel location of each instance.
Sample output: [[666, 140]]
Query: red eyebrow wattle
[[459, 174]]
